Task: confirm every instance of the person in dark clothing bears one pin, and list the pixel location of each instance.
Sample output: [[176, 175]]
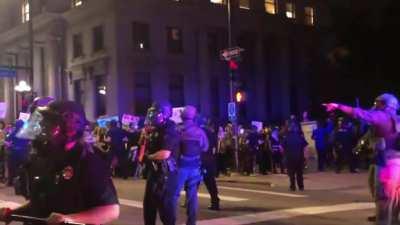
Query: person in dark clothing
[[276, 147], [64, 180], [117, 137], [193, 142], [252, 138], [18, 152], [343, 142], [320, 136], [209, 167], [264, 153], [293, 145], [160, 140]]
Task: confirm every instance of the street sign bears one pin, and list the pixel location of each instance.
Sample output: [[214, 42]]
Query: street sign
[[231, 110], [231, 53], [7, 72]]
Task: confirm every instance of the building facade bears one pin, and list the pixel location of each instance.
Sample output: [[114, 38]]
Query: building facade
[[118, 56]]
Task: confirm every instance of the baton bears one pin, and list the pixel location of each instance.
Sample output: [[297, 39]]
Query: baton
[[22, 218]]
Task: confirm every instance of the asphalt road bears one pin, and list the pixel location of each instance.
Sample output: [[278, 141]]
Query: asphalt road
[[328, 199]]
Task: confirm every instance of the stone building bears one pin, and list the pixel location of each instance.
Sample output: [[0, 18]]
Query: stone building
[[117, 56]]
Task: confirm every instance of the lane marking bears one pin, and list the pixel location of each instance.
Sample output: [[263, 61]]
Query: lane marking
[[263, 192], [285, 214], [131, 203], [221, 197]]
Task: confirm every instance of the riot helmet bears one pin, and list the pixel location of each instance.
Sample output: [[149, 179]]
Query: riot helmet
[[60, 119], [158, 114]]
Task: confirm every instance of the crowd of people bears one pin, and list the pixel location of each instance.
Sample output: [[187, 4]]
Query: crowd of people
[[173, 156], [338, 142]]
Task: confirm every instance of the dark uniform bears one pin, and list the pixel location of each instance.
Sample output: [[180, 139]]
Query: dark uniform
[[76, 181], [209, 169], [193, 141], [164, 137], [64, 175]]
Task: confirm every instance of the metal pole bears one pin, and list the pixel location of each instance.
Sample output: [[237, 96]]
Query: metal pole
[[231, 89], [31, 38]]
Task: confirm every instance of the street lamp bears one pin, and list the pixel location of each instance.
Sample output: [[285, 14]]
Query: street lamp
[[23, 88]]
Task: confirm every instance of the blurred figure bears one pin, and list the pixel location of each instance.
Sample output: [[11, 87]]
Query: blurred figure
[[117, 138], [343, 144], [227, 150], [320, 136], [276, 147], [294, 145], [253, 138], [18, 151], [209, 166], [3, 136], [264, 152]]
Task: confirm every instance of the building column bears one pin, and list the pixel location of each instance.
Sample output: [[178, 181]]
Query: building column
[[9, 98], [38, 72], [54, 59], [90, 96]]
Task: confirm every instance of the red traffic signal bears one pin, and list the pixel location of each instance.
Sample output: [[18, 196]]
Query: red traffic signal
[[233, 65]]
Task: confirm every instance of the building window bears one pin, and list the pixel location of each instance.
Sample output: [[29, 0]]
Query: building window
[[218, 1], [176, 90], [271, 6], [290, 10], [141, 36], [98, 38], [76, 3], [77, 45], [174, 40], [244, 4], [142, 93], [25, 11], [309, 15]]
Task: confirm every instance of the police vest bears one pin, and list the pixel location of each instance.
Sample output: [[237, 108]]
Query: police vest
[[190, 146]]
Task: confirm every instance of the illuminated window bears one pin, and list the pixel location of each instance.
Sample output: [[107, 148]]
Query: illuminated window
[[25, 11], [309, 15], [76, 3], [290, 10], [218, 1], [244, 4], [271, 6], [141, 36]]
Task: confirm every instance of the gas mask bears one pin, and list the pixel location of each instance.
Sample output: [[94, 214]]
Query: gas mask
[[154, 117]]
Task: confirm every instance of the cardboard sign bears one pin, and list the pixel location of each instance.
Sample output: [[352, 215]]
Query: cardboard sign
[[258, 124], [24, 116], [176, 114], [104, 120], [128, 119], [3, 110]]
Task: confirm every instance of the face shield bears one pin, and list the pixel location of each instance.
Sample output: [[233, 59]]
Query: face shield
[[42, 125], [154, 117], [32, 128]]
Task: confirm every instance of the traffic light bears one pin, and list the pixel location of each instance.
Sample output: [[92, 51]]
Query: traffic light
[[240, 96]]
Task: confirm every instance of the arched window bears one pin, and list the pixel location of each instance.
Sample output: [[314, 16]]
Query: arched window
[[25, 11]]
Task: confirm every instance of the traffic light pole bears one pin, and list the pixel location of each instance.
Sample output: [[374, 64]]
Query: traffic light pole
[[231, 91]]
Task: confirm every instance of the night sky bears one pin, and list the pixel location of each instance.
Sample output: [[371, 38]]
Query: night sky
[[363, 61]]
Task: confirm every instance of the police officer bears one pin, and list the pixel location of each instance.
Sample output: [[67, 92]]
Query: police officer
[[67, 181], [384, 120], [209, 166], [193, 141], [161, 139]]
